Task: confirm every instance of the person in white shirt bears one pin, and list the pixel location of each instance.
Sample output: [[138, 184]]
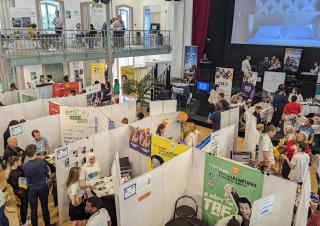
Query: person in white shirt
[[58, 23], [299, 163], [266, 155], [76, 195], [192, 139], [246, 67], [50, 79], [295, 92], [214, 97], [316, 68], [99, 216]]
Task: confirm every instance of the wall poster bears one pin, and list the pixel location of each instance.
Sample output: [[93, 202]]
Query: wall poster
[[223, 78]]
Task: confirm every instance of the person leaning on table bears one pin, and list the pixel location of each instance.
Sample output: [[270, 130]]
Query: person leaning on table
[[266, 155]]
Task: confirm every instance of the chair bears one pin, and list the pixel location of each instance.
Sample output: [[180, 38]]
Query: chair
[[184, 210]]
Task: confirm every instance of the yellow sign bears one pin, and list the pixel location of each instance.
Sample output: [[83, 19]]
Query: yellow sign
[[163, 150], [97, 72], [130, 72]]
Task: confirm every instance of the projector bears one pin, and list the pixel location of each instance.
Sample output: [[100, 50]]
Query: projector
[[102, 1]]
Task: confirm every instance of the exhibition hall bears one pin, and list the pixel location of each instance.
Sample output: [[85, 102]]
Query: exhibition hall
[[160, 112]]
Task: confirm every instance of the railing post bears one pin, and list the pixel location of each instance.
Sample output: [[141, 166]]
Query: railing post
[[155, 72], [168, 76]]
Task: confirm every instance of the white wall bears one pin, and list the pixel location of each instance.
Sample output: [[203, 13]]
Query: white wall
[[27, 76]]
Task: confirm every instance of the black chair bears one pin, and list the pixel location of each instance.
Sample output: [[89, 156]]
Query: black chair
[[184, 210]]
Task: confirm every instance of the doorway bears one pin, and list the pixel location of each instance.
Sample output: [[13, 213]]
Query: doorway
[[56, 70]]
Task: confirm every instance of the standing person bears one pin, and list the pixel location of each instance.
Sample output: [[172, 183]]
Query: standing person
[[99, 216], [316, 68], [280, 101], [66, 79], [13, 87], [293, 107], [13, 149], [295, 92], [91, 36], [41, 80], [76, 206], [6, 133], [36, 171], [263, 67], [257, 114], [42, 144], [15, 175], [266, 155], [245, 65], [214, 98], [116, 87], [58, 23], [299, 163], [50, 79]]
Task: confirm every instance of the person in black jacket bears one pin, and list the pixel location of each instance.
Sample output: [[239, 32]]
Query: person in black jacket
[[12, 149], [21, 193], [256, 113]]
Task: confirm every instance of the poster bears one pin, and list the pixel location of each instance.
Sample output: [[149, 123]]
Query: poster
[[97, 15], [292, 60], [54, 109], [130, 72], [64, 89], [163, 150], [190, 60], [20, 17], [77, 73], [215, 142], [140, 140], [97, 72], [77, 123], [229, 191], [249, 85], [272, 80], [223, 78], [94, 95]]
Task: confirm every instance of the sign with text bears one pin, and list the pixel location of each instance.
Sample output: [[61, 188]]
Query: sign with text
[[223, 78]]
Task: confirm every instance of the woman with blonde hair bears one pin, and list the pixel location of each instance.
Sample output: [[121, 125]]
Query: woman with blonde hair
[[76, 195]]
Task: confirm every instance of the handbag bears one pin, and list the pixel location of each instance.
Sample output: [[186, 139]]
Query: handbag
[[23, 183]]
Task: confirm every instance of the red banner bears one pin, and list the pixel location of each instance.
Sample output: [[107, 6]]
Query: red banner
[[64, 89], [54, 108]]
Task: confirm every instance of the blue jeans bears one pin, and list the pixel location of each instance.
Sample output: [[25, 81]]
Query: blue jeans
[[41, 192], [3, 218]]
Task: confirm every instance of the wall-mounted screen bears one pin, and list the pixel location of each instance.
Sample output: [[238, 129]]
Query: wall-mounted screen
[[280, 23]]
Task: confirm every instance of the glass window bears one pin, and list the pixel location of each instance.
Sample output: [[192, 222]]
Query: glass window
[[48, 9], [125, 16]]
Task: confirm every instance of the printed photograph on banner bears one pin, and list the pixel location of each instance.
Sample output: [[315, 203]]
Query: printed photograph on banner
[[20, 17], [229, 192], [292, 60], [163, 150], [223, 78], [94, 95], [215, 142], [97, 73], [140, 140], [249, 85], [77, 73], [190, 60]]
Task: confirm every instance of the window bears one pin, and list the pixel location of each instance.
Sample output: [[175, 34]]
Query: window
[[48, 9], [125, 16]]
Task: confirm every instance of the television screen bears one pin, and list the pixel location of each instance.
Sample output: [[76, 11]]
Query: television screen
[[280, 23], [203, 86]]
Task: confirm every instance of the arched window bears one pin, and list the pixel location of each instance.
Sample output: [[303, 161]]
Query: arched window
[[126, 15], [47, 10]]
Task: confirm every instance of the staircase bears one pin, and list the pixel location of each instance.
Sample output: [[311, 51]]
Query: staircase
[[160, 89]]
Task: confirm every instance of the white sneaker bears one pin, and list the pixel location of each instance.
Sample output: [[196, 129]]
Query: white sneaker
[[28, 222]]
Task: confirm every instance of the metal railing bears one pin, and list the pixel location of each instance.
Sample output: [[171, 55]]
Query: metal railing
[[23, 42]]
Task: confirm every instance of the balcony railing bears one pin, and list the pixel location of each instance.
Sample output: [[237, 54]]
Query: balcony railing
[[20, 42]]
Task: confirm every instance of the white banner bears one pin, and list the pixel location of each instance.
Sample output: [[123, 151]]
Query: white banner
[[77, 73], [20, 17], [224, 78], [272, 80]]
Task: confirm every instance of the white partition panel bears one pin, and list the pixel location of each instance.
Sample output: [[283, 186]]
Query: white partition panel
[[127, 110], [156, 107], [251, 134], [225, 119], [10, 97], [234, 119], [303, 207], [226, 138], [49, 126], [169, 106]]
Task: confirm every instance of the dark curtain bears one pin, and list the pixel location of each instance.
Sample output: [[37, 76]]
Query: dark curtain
[[200, 19]]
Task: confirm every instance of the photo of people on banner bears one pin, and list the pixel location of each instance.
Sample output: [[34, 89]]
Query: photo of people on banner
[[94, 95], [292, 60], [140, 140], [190, 60], [229, 191], [163, 150], [223, 78], [249, 85]]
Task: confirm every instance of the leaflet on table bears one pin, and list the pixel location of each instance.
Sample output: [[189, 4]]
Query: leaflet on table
[[229, 191]]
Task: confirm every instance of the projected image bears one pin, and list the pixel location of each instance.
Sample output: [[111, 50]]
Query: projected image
[[277, 22]]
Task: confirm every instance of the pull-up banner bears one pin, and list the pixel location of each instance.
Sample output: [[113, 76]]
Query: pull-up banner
[[229, 191]]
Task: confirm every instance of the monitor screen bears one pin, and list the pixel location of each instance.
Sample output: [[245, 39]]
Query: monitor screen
[[278, 23], [203, 86]]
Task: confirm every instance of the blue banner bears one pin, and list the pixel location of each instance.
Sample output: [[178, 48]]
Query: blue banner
[[190, 60]]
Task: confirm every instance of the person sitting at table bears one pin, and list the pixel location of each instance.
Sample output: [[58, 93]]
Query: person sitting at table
[[76, 195], [257, 113], [15, 177], [215, 117], [315, 69], [43, 147], [295, 92], [293, 107], [91, 169], [307, 130], [12, 149], [161, 130], [213, 98], [192, 139], [99, 216]]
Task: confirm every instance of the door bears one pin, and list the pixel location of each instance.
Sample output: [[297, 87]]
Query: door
[[56, 70]]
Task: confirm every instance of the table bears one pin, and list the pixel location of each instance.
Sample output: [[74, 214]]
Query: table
[[185, 221], [308, 108]]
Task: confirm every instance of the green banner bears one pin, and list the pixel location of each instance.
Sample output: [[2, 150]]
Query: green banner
[[22, 98], [229, 191]]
